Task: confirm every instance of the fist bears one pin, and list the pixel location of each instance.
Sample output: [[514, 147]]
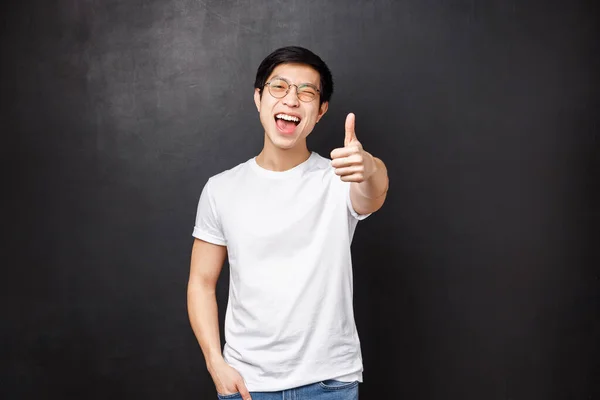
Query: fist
[[351, 162]]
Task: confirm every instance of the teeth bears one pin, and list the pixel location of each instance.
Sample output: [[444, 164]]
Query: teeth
[[288, 117]]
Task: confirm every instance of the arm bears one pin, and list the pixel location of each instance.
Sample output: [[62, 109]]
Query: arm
[[205, 267], [368, 174]]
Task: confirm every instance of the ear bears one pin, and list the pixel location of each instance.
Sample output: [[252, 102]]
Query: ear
[[257, 99], [322, 110]]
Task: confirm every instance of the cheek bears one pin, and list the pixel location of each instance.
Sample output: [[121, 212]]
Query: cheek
[[312, 116], [265, 113]]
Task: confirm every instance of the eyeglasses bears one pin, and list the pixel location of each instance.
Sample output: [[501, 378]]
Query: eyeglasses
[[280, 87]]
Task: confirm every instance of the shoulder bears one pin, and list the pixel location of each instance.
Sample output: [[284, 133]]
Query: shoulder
[[220, 185], [228, 177]]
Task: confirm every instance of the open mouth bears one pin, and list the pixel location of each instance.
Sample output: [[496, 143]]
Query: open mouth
[[286, 123]]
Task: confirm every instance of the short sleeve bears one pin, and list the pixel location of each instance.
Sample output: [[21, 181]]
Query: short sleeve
[[353, 213], [208, 224]]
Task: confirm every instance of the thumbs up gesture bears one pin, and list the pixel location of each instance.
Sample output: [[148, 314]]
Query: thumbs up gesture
[[351, 162]]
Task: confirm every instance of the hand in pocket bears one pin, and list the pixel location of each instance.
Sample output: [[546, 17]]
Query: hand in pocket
[[228, 381]]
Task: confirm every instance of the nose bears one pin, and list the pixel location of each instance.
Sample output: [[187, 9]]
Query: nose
[[291, 97]]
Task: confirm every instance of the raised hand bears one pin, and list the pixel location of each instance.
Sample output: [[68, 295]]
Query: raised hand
[[351, 162]]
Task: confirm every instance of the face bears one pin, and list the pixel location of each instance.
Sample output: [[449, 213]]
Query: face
[[288, 120]]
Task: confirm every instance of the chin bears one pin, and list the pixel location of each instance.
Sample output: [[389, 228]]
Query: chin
[[284, 143]]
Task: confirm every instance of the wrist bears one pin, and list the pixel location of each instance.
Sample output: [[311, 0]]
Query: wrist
[[213, 361]]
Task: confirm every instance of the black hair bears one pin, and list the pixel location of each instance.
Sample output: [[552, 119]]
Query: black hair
[[299, 55]]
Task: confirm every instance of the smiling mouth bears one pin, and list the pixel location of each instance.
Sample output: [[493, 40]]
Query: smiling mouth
[[286, 123]]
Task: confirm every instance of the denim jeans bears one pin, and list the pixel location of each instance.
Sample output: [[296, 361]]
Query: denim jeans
[[326, 390]]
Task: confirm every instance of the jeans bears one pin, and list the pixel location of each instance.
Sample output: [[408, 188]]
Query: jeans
[[326, 390]]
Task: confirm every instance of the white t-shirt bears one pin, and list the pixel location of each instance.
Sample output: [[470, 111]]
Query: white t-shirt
[[289, 319]]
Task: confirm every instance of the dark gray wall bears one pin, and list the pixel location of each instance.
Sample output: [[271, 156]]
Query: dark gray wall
[[477, 280]]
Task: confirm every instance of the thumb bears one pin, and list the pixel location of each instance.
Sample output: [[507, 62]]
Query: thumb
[[243, 391], [350, 131]]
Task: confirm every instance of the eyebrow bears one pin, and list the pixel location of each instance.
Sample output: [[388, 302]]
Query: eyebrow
[[299, 84]]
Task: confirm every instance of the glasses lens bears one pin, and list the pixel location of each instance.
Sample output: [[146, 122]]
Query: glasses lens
[[278, 88], [306, 93]]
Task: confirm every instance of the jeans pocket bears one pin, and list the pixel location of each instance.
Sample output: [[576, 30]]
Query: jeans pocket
[[332, 385], [229, 396]]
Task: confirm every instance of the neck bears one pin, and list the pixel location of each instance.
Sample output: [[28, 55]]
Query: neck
[[276, 159]]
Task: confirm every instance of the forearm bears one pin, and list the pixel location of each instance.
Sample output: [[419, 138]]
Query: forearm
[[204, 319]]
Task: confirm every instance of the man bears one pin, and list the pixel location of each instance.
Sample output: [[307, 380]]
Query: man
[[285, 219]]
